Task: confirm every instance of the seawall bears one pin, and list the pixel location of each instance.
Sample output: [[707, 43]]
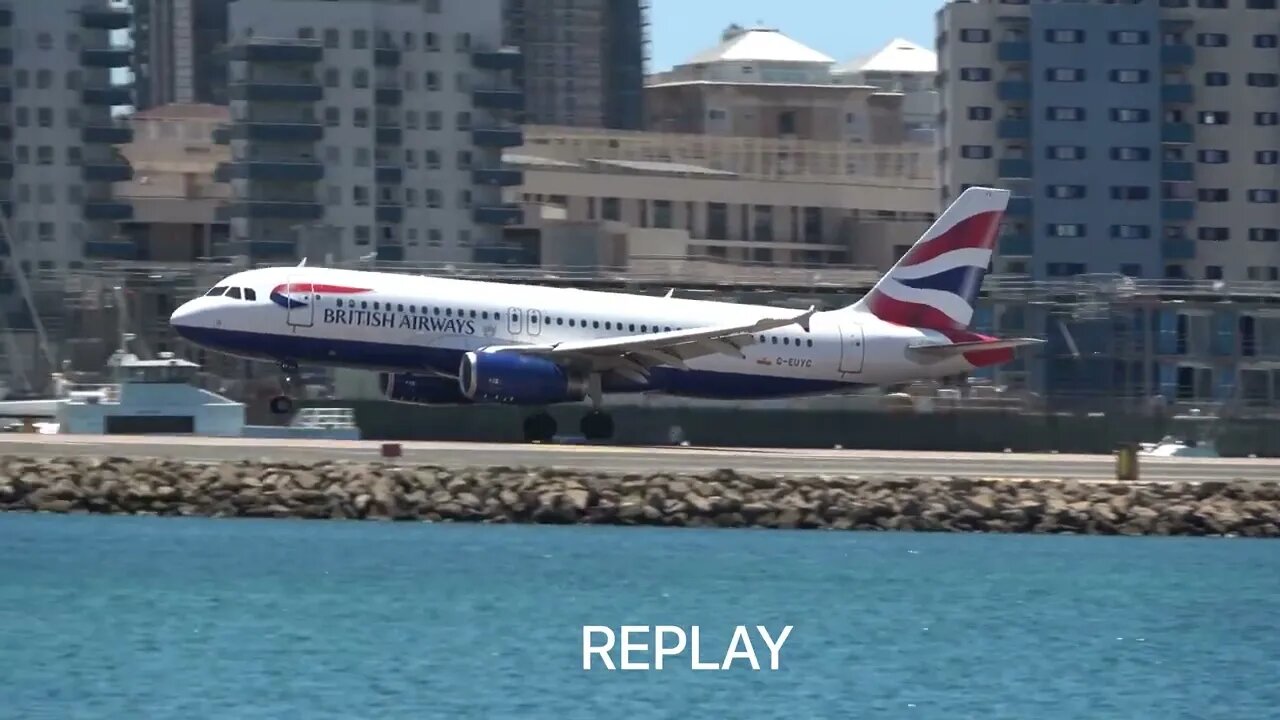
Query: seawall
[[722, 498]]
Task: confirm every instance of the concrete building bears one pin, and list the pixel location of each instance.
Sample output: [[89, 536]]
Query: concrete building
[[57, 160], [760, 83], [1138, 138], [369, 128], [584, 60], [901, 67], [178, 51]]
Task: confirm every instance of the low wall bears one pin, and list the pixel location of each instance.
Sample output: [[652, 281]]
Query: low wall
[[722, 498], [976, 431]]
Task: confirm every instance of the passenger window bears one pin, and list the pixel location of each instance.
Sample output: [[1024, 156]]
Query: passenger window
[[473, 313], [250, 294], [375, 304], [449, 312], [234, 293], [595, 324], [413, 308], [400, 308]]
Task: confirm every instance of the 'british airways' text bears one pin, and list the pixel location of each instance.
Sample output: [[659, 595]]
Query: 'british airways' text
[[401, 321]]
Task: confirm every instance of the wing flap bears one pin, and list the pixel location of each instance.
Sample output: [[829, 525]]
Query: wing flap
[[949, 349]]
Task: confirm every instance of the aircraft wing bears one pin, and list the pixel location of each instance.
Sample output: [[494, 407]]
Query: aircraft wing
[[633, 355], [949, 349]]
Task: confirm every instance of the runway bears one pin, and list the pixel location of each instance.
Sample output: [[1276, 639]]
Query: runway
[[645, 459]]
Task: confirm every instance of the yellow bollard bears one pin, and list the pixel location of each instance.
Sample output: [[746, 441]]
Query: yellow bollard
[[1127, 462]]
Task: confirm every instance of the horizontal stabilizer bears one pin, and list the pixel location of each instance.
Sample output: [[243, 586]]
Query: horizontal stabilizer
[[948, 349]]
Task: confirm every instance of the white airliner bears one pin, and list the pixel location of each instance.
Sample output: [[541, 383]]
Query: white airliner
[[439, 341]]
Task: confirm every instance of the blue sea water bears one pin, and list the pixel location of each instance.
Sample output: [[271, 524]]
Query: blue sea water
[[121, 617]]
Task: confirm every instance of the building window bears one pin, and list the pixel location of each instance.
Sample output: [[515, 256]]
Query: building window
[[975, 152], [1131, 154], [1065, 192], [1262, 80], [1266, 195], [1129, 76], [1130, 192], [1066, 230], [975, 35], [1266, 118], [979, 112], [1064, 269], [1065, 114], [1064, 37], [1213, 157], [1211, 39], [1213, 195], [1129, 37], [331, 38], [1130, 115], [1214, 117], [1267, 157], [1265, 41], [1214, 234], [1264, 235], [975, 74], [1064, 74], [1130, 232], [1065, 152], [1217, 79]]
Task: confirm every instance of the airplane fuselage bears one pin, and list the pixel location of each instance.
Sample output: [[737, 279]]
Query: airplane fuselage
[[414, 324]]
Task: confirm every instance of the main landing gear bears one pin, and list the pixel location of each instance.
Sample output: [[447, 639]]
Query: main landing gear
[[541, 427], [283, 404]]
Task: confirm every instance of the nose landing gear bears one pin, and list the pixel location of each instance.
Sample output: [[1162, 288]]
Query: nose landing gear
[[283, 404]]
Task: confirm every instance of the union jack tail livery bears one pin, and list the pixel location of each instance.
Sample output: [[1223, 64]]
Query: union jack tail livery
[[934, 286]]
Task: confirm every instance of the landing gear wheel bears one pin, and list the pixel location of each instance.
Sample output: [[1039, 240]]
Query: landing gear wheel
[[539, 428], [597, 425], [282, 405]]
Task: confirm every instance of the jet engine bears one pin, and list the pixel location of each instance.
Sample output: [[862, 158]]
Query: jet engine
[[420, 389], [516, 379]]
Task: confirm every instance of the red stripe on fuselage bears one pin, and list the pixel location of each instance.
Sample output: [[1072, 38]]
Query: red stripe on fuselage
[[319, 288], [975, 231]]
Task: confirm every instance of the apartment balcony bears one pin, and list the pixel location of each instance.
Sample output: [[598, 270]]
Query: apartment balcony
[[391, 253], [278, 209], [6, 17], [498, 215], [1013, 129], [497, 136], [6, 133], [1019, 206], [110, 250], [1177, 93], [278, 50], [388, 96], [503, 59], [386, 57], [6, 56], [1013, 51], [498, 177], [108, 210], [283, 132], [1177, 133], [271, 171], [1014, 168], [107, 95], [106, 57], [222, 135], [1013, 90], [388, 175], [6, 169], [106, 135], [6, 94], [1177, 55], [97, 17], [106, 172], [388, 212], [388, 135], [1178, 248], [498, 99], [1178, 210], [266, 91], [1177, 171], [1015, 245]]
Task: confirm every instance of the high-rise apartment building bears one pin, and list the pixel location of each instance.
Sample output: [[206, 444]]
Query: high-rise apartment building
[[1138, 138], [178, 54], [368, 127], [584, 60], [57, 160]]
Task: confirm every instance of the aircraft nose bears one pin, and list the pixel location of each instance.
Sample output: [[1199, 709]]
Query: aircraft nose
[[186, 318]]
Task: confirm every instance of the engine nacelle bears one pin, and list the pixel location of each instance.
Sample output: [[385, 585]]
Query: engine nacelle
[[420, 389], [516, 379]]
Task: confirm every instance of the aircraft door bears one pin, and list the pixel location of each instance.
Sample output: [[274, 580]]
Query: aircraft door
[[513, 321], [302, 303], [534, 321], [853, 348]]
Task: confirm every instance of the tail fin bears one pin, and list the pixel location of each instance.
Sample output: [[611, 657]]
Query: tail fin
[[935, 284]]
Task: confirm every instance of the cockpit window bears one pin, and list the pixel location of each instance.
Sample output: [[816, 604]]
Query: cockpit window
[[234, 293], [216, 291], [249, 294]]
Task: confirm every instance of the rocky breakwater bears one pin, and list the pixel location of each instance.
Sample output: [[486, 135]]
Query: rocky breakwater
[[718, 499]]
